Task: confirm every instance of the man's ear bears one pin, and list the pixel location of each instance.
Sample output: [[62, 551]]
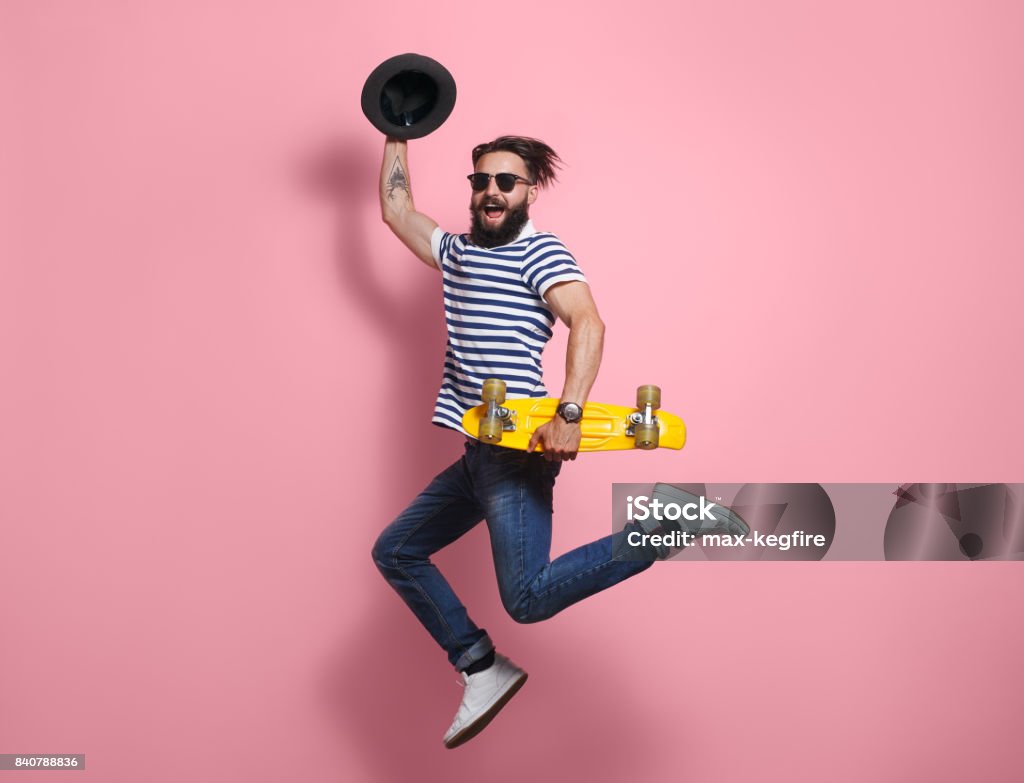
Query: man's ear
[[531, 194]]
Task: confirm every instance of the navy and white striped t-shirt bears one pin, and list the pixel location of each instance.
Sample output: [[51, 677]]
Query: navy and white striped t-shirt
[[498, 321]]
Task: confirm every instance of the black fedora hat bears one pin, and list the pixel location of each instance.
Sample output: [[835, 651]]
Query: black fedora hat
[[408, 96]]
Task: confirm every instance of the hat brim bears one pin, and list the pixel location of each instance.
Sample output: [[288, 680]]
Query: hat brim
[[428, 117]]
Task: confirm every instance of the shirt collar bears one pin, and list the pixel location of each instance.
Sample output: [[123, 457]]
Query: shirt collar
[[528, 230]]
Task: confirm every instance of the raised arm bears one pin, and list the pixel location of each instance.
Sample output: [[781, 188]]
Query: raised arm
[[396, 205]]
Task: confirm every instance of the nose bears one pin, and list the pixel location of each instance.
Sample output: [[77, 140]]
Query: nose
[[492, 187]]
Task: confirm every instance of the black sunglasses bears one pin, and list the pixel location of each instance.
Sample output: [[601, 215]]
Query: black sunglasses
[[505, 182]]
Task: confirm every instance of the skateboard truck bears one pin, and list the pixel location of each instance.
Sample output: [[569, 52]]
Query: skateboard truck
[[643, 424], [496, 419]]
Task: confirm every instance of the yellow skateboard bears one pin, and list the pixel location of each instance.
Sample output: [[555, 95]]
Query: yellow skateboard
[[511, 423]]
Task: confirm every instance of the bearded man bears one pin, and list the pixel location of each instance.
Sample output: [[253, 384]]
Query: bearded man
[[505, 283]]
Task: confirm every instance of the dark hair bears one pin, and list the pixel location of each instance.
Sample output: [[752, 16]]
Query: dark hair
[[539, 158]]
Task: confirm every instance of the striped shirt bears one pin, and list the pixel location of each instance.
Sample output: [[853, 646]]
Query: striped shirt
[[498, 320]]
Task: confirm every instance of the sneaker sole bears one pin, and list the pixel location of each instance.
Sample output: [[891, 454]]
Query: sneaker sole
[[474, 728]]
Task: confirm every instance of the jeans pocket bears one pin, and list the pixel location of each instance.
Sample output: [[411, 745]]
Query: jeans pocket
[[542, 476]]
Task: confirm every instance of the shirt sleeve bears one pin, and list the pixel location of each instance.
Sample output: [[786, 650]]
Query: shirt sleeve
[[548, 262], [438, 245]]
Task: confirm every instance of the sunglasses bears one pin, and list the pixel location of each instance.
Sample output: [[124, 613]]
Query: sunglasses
[[505, 182]]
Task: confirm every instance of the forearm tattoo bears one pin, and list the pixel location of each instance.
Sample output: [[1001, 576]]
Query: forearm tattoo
[[397, 180]]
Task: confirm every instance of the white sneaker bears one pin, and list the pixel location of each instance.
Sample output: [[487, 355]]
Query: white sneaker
[[485, 694]]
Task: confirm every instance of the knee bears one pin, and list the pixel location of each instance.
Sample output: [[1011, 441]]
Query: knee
[[524, 611], [384, 552]]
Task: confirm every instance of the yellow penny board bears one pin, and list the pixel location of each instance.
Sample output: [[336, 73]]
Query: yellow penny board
[[603, 427]]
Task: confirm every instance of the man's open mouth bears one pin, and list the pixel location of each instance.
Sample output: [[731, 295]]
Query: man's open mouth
[[493, 211]]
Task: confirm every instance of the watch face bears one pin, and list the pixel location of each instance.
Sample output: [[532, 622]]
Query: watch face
[[570, 411]]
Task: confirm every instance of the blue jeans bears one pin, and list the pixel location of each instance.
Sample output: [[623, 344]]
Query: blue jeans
[[512, 490]]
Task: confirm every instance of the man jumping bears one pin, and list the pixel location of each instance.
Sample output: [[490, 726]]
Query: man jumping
[[504, 284]]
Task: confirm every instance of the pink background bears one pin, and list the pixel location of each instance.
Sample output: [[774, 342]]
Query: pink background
[[801, 219]]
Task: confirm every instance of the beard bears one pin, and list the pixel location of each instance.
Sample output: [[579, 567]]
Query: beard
[[502, 234]]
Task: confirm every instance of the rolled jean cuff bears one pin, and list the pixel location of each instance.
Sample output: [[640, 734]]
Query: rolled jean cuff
[[474, 653]]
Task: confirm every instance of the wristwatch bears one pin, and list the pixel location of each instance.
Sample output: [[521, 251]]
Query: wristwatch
[[570, 412]]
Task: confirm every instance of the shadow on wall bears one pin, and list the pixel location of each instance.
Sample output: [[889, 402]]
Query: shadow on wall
[[389, 687]]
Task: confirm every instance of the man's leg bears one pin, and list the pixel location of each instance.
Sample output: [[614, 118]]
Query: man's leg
[[442, 513], [515, 490]]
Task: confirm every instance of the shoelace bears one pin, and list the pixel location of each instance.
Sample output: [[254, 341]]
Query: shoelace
[[460, 714]]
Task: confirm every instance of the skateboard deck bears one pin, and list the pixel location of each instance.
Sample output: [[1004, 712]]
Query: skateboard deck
[[603, 427]]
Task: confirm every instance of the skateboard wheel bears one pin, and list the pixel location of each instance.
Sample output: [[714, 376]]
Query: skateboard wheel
[[494, 389], [646, 435], [490, 430], [649, 394]]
